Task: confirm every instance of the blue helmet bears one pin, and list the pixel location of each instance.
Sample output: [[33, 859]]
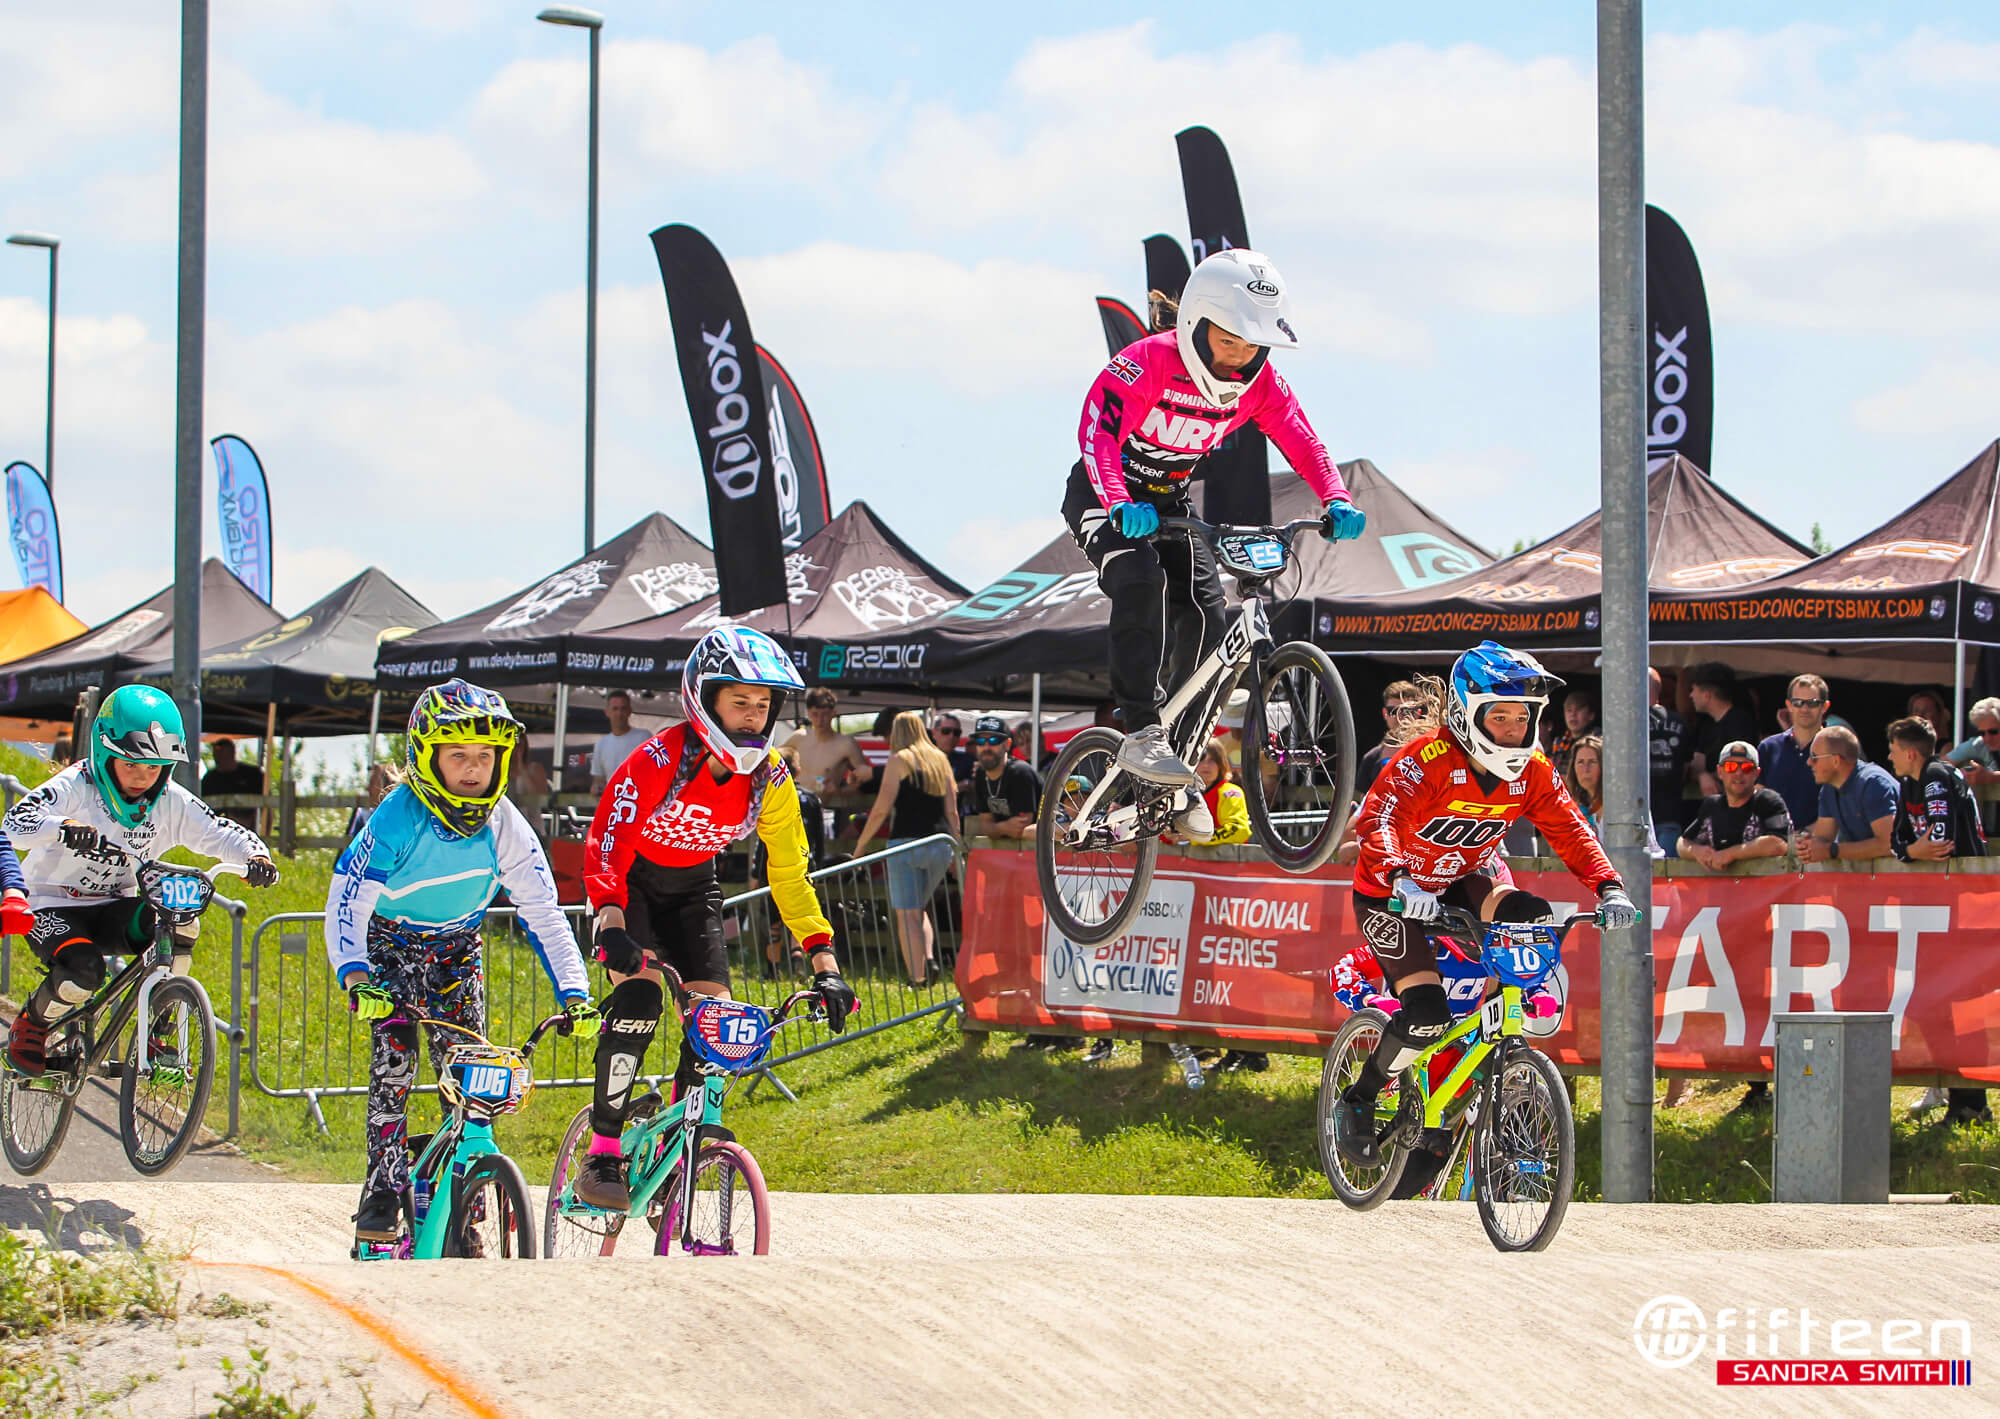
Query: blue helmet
[[733, 655], [1486, 675]]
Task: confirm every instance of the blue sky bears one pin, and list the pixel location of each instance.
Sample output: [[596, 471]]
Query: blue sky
[[919, 204]]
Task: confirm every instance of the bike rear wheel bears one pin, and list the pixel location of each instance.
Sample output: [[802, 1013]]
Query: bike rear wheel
[[1360, 1188], [490, 1217], [1301, 728], [732, 1208], [35, 1113], [159, 1115], [1092, 891], [1524, 1152]]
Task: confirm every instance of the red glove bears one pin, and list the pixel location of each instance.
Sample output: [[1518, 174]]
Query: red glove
[[15, 918]]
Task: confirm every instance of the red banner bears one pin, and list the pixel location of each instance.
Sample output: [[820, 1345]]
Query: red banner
[[1244, 951]]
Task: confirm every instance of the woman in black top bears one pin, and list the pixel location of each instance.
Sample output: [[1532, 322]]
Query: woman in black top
[[918, 799]]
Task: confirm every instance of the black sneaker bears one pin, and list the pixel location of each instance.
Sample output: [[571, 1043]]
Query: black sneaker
[[1354, 1132], [1100, 1050], [27, 1045], [1757, 1096], [601, 1183], [380, 1217], [1251, 1060]]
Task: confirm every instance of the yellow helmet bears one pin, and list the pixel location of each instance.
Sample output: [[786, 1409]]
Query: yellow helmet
[[458, 713]]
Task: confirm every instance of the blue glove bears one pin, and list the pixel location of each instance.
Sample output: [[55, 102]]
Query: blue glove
[[1344, 521], [1135, 519]]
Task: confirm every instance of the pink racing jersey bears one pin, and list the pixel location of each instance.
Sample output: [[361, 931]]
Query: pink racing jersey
[[1145, 425]]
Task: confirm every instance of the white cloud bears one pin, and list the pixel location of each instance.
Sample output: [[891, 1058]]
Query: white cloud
[[1948, 396], [77, 75]]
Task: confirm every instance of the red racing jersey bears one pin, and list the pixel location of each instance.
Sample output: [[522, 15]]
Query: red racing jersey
[[1429, 815], [643, 814]]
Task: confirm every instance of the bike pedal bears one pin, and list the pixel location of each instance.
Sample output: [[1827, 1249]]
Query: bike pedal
[[114, 1069]]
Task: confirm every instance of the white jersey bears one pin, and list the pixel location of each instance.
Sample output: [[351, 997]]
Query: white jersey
[[59, 877]]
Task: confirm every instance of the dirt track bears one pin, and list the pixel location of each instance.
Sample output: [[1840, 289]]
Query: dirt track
[[1085, 1305]]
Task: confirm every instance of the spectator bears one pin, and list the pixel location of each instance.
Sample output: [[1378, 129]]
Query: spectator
[[382, 776], [949, 736], [1745, 820], [1668, 748], [828, 761], [1979, 757], [1713, 690], [1784, 759], [1024, 744], [1224, 796], [1402, 703], [814, 816], [1584, 776], [1004, 795], [1928, 704], [1857, 803], [613, 749], [1579, 719], [228, 778], [915, 801], [1936, 818]]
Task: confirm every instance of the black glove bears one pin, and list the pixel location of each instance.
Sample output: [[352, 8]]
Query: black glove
[[838, 997], [261, 872], [80, 837], [618, 951]]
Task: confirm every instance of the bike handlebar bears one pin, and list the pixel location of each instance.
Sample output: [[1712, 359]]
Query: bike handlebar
[[1458, 922], [1213, 530], [684, 998]]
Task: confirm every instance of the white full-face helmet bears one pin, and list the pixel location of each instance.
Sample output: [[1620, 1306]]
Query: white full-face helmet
[[736, 656], [1241, 291]]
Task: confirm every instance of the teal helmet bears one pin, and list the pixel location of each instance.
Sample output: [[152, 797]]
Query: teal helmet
[[141, 725]]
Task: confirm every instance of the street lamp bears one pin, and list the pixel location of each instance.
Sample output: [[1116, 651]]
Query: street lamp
[[594, 22], [42, 239]]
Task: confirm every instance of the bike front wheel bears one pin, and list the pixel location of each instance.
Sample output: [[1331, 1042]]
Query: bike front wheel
[[160, 1114], [568, 1231], [1094, 874], [1299, 758], [1360, 1188], [35, 1113], [1524, 1152], [732, 1207], [490, 1218]]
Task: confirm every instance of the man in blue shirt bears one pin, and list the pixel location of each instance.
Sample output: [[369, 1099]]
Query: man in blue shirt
[[1857, 803], [1782, 759]]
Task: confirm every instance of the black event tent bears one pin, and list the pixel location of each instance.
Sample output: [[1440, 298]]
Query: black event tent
[[653, 566], [45, 685], [317, 668], [1546, 598], [1047, 616], [852, 585]]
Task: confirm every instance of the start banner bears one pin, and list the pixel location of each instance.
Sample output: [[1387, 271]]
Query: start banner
[[1245, 952]]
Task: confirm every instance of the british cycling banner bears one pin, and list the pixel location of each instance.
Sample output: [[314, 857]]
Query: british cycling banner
[[796, 463], [1680, 394], [1243, 951], [725, 399], [243, 512], [32, 527]]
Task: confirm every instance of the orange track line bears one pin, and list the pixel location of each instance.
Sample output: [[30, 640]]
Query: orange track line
[[458, 1389]]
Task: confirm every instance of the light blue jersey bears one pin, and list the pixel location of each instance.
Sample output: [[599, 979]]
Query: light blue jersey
[[408, 868]]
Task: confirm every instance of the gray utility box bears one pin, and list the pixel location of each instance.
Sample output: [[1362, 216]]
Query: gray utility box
[[1830, 1142]]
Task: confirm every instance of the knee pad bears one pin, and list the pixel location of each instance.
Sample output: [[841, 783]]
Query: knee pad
[[1132, 571], [75, 974], [631, 1018], [1523, 908], [1426, 1014]]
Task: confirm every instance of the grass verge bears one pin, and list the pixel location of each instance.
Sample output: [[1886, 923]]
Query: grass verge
[[47, 1297]]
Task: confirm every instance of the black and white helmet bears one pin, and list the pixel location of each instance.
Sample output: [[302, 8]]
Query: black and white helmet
[[1241, 291], [731, 656]]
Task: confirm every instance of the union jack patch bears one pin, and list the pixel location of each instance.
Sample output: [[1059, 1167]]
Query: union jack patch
[[1127, 370]]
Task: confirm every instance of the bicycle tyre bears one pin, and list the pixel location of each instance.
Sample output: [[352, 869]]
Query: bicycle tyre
[[1335, 721], [149, 1158], [1496, 1145], [575, 1234], [1352, 1043], [722, 1162], [1144, 849], [495, 1179], [34, 1118]]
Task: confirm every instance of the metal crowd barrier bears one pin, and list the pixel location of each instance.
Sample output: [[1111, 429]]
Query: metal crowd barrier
[[303, 1043]]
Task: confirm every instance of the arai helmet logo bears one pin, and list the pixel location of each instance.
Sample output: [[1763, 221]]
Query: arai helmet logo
[[1263, 290], [737, 462]]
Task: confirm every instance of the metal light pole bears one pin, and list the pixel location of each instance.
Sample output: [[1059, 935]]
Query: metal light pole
[[1627, 962], [594, 22], [42, 239], [188, 381]]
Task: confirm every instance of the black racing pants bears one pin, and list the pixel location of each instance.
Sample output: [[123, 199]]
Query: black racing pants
[[73, 941], [1400, 945], [1166, 599], [676, 913]]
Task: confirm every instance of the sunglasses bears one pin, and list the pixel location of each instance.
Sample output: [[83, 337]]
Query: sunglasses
[[1805, 704], [953, 730], [1404, 711], [1737, 766], [980, 741], [1990, 733]]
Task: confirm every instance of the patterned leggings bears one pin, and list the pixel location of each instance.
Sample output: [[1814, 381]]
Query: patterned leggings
[[436, 976]]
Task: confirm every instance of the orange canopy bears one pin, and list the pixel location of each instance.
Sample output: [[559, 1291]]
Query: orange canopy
[[32, 620]]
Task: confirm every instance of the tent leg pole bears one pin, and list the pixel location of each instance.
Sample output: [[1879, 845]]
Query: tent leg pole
[[562, 735], [270, 733], [1035, 722], [1957, 694], [374, 726]]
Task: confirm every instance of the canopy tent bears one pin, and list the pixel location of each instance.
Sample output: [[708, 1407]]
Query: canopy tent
[[315, 672], [1546, 598], [850, 584], [1048, 618], [652, 567], [46, 685], [31, 620]]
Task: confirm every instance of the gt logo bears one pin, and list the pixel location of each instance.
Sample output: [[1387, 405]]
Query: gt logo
[[1477, 810], [1462, 832], [1433, 749]]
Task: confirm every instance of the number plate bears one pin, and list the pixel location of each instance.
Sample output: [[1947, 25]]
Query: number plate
[[1492, 1017], [179, 893], [729, 1033], [491, 1082]]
